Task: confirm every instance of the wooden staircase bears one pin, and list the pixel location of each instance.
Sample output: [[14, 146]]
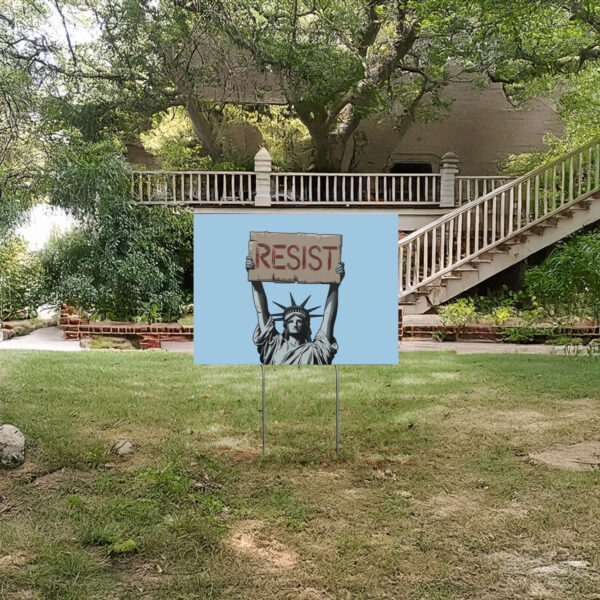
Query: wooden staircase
[[497, 230]]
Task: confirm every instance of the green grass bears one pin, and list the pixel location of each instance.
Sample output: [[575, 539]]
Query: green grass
[[430, 498]]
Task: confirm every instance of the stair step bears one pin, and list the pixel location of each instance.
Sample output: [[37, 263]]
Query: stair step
[[582, 205], [565, 214], [477, 261], [466, 269], [550, 222], [435, 286], [497, 251], [446, 277], [517, 239], [422, 293]]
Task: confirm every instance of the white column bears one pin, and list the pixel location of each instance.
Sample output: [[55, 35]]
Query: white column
[[262, 168], [449, 169]]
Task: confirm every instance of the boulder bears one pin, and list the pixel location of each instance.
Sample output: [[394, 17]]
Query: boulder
[[121, 448], [12, 446]]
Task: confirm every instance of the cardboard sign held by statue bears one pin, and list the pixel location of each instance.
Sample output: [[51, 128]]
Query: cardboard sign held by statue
[[304, 258], [294, 257]]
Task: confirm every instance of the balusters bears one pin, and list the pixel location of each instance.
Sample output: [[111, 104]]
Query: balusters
[[409, 278], [401, 275], [433, 250], [519, 205], [468, 236], [597, 180]]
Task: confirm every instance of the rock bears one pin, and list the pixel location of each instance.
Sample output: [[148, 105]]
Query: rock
[[121, 447], [12, 447]]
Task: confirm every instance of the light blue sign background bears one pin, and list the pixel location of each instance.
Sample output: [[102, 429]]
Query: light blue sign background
[[366, 328]]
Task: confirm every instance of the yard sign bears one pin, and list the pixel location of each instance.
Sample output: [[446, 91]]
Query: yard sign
[[295, 289]]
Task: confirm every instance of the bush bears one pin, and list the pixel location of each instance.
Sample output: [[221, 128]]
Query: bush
[[19, 272], [141, 258], [121, 259], [519, 335], [457, 314], [501, 314], [567, 281]]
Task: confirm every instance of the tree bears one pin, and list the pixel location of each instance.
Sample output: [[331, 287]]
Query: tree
[[21, 78], [339, 62], [332, 63], [138, 63]]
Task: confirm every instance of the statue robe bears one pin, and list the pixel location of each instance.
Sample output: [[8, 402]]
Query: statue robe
[[274, 349]]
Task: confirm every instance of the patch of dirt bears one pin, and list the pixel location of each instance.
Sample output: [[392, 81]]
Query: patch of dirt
[[237, 443], [448, 505], [439, 376], [249, 540], [504, 421], [356, 493], [242, 454], [309, 593], [21, 595], [542, 576], [584, 456], [510, 421], [57, 479], [14, 561], [146, 577]]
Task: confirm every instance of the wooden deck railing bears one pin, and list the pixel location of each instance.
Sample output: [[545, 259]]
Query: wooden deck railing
[[265, 187], [194, 187], [469, 188], [454, 239], [354, 188]]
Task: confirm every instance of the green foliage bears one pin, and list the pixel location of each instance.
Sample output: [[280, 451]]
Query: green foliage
[[22, 134], [503, 297], [19, 272], [457, 314], [121, 259], [284, 135], [498, 307], [564, 340], [173, 141], [524, 334], [567, 281], [501, 314], [440, 336], [91, 181]]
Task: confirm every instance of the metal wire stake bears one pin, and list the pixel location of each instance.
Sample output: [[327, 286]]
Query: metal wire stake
[[264, 426], [337, 410]]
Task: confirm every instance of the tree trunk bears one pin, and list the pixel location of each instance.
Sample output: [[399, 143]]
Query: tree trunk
[[203, 129], [327, 158]]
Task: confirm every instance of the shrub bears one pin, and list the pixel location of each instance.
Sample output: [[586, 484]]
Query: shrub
[[501, 314], [457, 314], [121, 259], [567, 281], [19, 272]]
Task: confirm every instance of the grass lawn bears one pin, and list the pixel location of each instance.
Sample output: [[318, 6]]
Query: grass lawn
[[433, 495]]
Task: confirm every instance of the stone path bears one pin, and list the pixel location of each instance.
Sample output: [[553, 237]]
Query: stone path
[[46, 338], [478, 347]]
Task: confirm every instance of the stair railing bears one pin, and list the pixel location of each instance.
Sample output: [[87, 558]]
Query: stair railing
[[459, 236]]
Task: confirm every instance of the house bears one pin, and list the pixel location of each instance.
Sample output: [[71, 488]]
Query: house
[[458, 223]]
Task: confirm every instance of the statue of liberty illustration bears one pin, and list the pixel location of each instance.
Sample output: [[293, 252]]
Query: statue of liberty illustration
[[295, 346]]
